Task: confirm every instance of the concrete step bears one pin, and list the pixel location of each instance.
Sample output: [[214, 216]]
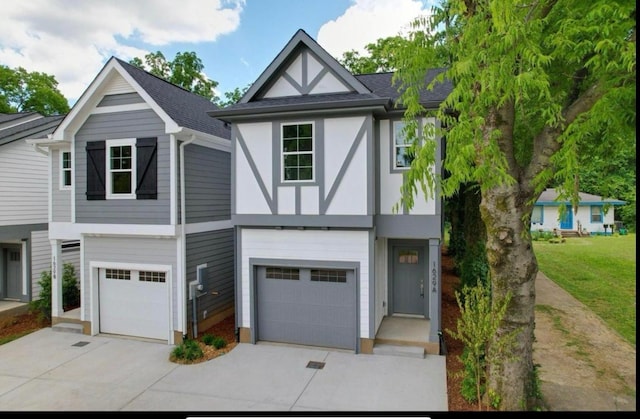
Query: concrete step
[[67, 327], [398, 350]]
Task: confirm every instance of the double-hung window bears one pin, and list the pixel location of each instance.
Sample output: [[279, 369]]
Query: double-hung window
[[65, 170], [596, 214], [121, 168], [297, 152], [402, 152]]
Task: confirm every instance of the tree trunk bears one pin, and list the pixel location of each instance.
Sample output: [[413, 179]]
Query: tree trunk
[[512, 268]]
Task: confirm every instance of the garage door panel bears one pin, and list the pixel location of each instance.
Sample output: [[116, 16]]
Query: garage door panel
[[132, 307], [307, 312]]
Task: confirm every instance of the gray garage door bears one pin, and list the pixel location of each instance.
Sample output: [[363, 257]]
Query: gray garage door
[[307, 306]]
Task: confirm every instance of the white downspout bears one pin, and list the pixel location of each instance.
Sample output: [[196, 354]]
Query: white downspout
[[183, 234]]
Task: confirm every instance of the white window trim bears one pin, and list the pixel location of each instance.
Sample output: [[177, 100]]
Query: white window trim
[[116, 143], [62, 186], [395, 146], [313, 152]]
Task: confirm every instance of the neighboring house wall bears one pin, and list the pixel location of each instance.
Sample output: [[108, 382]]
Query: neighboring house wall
[[208, 184], [134, 124], [551, 218], [23, 185], [215, 249]]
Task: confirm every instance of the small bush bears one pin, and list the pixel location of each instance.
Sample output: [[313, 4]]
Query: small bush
[[70, 292], [189, 350], [219, 342], [208, 339]]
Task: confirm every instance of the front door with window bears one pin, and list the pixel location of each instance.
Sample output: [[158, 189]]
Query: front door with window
[[408, 279], [12, 271]]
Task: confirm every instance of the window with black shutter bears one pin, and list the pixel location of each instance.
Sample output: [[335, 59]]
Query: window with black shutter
[[147, 168], [96, 166], [109, 171]]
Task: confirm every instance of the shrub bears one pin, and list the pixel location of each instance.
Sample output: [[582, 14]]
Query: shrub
[[476, 329], [208, 339], [219, 342], [188, 350], [70, 291]]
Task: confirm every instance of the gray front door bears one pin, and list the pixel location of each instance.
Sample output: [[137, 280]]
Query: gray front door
[[408, 279], [307, 306], [13, 272]]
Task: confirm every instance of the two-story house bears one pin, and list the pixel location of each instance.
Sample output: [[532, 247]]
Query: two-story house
[[322, 257], [24, 244], [148, 198]]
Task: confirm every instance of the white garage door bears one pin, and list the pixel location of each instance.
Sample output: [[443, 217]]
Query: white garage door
[[134, 303]]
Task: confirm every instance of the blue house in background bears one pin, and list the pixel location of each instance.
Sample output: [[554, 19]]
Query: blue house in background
[[594, 214]]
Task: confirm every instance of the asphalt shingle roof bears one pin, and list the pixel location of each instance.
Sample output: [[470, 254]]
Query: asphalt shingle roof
[[382, 91], [549, 196], [187, 109], [31, 128]]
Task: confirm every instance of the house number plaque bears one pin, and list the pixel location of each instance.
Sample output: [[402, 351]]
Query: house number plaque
[[434, 273]]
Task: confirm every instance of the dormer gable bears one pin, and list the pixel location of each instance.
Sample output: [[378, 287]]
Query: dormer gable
[[303, 67]]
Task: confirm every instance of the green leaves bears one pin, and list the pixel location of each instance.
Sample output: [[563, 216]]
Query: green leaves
[[185, 70], [23, 91]]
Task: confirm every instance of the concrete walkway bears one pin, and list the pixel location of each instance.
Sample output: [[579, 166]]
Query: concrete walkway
[[57, 371]]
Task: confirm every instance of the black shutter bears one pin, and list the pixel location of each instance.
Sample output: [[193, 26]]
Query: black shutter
[[147, 168], [96, 167]]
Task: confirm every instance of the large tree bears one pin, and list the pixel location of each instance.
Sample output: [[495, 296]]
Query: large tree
[[532, 82], [24, 91], [185, 70]]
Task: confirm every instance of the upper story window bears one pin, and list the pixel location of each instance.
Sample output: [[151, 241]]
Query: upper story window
[[122, 169], [402, 153], [65, 170], [297, 152], [121, 172], [596, 214]]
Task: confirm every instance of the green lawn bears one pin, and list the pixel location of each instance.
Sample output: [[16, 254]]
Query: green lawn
[[599, 271]]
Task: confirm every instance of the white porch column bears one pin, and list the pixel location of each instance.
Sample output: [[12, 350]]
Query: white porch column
[[56, 278]]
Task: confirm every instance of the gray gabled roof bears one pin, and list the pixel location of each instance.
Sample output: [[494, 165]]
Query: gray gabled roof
[[550, 197], [34, 126], [367, 90], [187, 109]]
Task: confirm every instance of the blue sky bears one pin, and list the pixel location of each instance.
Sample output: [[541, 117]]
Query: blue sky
[[235, 39]]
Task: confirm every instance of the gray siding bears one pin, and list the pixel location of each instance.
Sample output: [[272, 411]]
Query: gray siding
[[23, 184], [61, 199], [41, 260], [208, 184], [216, 249], [130, 250], [133, 124], [120, 99]]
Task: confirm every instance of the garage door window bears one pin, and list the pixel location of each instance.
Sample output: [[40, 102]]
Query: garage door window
[[283, 273], [118, 274], [148, 276], [329, 275]]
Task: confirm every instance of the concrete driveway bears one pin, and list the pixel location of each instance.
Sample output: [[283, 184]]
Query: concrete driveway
[[51, 371]]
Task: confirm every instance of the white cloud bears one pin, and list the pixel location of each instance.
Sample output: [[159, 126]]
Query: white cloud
[[366, 21], [72, 40]]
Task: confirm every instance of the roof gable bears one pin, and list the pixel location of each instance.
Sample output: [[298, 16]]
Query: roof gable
[[177, 107], [303, 67]]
